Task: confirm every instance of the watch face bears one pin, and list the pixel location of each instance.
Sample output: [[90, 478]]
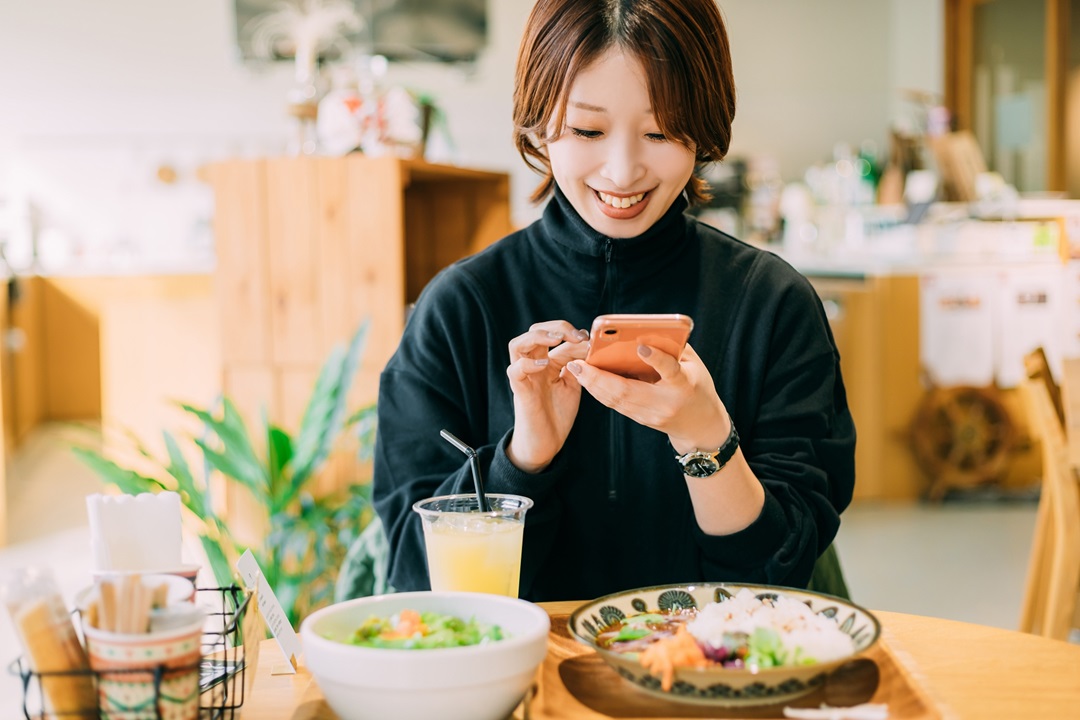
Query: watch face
[[701, 465]]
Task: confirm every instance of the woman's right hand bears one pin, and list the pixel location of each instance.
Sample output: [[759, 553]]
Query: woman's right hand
[[546, 396]]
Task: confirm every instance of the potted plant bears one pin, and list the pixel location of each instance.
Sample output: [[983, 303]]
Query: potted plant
[[307, 535]]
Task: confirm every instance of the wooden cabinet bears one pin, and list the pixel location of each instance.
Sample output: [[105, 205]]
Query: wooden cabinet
[[21, 357], [308, 248], [875, 322]]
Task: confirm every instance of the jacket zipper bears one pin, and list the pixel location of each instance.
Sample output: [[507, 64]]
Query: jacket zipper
[[614, 439]]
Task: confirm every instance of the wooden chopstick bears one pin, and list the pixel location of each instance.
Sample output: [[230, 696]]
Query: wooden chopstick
[[124, 606], [128, 590], [108, 605]]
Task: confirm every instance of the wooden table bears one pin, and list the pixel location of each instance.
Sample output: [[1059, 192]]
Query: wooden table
[[967, 671]]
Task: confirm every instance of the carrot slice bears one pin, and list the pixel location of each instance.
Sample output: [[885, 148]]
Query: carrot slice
[[679, 650], [408, 625]]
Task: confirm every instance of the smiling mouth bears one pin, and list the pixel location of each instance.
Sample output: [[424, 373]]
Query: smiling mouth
[[620, 202]]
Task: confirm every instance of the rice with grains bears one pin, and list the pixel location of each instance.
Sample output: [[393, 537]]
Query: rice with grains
[[816, 636]]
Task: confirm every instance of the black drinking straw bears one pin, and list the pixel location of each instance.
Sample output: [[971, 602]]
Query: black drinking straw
[[474, 463]]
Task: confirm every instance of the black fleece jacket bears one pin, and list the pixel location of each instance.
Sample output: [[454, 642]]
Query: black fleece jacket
[[612, 511]]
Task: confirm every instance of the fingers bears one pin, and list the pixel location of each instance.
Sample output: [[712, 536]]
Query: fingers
[[690, 355], [522, 368], [543, 336], [657, 405], [664, 364], [546, 345], [667, 366], [569, 351]]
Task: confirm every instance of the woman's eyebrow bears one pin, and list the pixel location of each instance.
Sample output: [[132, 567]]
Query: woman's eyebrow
[[587, 106], [596, 108]]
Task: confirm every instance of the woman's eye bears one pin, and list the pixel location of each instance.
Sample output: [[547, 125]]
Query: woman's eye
[[658, 137], [590, 134]]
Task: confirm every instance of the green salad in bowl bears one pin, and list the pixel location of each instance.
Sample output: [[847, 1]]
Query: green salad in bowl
[[409, 629]]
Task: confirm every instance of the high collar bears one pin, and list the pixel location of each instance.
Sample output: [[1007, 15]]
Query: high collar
[[562, 224]]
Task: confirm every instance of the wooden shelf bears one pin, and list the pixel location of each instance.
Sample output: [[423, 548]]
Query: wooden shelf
[[308, 248]]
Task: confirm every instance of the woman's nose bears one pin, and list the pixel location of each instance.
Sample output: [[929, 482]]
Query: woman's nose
[[623, 166]]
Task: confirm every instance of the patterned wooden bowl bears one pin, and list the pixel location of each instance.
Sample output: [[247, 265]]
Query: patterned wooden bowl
[[717, 685]]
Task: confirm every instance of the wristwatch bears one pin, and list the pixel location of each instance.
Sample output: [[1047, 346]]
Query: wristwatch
[[699, 464]]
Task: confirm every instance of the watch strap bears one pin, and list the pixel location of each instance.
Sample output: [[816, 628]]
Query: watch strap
[[721, 456]]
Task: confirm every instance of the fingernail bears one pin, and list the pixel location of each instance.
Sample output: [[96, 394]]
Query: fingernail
[[644, 350], [574, 367], [582, 334], [541, 361]]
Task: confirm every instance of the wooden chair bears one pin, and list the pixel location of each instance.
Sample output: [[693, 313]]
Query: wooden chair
[[1037, 368], [1050, 606], [1070, 385]]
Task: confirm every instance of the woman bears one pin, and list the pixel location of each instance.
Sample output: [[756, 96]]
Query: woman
[[616, 104]]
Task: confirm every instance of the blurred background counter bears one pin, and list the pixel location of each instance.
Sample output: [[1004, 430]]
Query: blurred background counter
[[933, 320]]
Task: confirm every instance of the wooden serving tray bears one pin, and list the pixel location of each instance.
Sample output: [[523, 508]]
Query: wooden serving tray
[[574, 682]]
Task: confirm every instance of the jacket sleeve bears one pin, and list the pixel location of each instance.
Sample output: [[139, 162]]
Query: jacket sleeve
[[449, 372], [797, 435]]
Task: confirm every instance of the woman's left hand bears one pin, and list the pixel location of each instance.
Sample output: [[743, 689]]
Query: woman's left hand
[[683, 403]]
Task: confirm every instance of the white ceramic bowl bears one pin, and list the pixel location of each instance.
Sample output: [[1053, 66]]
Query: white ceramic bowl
[[481, 682]]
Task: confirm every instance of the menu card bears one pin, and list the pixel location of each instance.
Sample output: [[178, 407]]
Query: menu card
[[270, 609]]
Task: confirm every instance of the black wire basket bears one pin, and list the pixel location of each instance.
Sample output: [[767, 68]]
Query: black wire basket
[[221, 670]]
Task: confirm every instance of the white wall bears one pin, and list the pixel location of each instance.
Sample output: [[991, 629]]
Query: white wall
[[809, 75], [93, 95], [916, 52]]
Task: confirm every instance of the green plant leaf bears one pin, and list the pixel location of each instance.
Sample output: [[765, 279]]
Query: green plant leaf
[[219, 561], [288, 592], [127, 481], [197, 500], [236, 458], [279, 451], [324, 416], [228, 465]]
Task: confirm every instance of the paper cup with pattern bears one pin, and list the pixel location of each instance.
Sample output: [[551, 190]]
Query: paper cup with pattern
[[144, 676]]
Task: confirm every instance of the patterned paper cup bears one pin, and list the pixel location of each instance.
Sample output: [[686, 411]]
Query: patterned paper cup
[[144, 676]]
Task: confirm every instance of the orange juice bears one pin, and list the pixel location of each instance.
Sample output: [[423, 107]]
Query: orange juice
[[470, 550], [478, 554]]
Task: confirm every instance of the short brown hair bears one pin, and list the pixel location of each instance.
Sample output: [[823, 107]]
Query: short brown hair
[[682, 45]]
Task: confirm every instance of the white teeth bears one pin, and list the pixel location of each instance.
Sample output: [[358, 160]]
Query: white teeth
[[620, 202]]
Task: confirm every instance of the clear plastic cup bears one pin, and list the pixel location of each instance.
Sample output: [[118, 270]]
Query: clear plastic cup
[[472, 550]]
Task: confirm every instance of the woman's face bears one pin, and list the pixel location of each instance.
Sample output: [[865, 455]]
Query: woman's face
[[611, 161]]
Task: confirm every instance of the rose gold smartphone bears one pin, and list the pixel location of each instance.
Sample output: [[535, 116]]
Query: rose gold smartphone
[[614, 341]]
